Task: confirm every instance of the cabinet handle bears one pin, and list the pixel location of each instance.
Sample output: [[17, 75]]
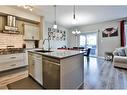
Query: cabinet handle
[[13, 65], [53, 63], [12, 57]]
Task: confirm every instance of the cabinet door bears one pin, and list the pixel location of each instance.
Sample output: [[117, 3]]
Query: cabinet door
[[38, 68], [36, 33], [20, 26], [51, 74], [12, 61], [28, 32], [31, 65], [2, 22], [31, 32]]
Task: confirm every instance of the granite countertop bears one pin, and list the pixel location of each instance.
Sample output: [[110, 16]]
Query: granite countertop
[[11, 51], [60, 54]]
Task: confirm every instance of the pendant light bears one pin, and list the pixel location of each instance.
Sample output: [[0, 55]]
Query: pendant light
[[75, 31], [55, 25], [74, 20]]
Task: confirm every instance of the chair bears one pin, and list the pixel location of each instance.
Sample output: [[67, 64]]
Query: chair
[[75, 48], [78, 48], [87, 53]]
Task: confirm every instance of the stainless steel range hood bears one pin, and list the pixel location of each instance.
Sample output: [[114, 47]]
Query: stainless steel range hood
[[11, 24], [11, 21]]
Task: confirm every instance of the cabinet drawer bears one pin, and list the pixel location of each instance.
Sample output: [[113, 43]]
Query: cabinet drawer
[[11, 65], [37, 56], [11, 57]]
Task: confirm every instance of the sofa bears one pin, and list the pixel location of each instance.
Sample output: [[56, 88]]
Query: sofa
[[120, 57]]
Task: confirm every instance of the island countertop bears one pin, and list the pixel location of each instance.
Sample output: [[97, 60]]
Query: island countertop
[[60, 54]]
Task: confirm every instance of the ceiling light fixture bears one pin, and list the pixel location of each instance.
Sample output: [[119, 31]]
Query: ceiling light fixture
[[74, 19], [30, 8], [55, 25], [75, 32]]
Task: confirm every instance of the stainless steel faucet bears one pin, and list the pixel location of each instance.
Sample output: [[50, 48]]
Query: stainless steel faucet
[[48, 43]]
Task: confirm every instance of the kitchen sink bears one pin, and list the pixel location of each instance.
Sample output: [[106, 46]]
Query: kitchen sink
[[43, 51]]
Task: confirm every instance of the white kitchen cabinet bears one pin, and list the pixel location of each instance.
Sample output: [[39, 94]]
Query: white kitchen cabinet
[[36, 33], [31, 64], [11, 61], [31, 32], [35, 67], [38, 67]]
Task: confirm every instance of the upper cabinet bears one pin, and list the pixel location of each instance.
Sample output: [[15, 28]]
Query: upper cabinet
[[31, 32], [2, 22], [30, 29]]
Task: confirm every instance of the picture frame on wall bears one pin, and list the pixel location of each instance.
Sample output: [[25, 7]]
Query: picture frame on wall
[[110, 32], [49, 29], [56, 34]]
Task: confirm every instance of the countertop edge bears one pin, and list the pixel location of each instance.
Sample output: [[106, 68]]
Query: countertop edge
[[55, 56]]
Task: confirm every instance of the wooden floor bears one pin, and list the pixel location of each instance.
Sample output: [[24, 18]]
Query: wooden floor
[[101, 74], [11, 76], [98, 74]]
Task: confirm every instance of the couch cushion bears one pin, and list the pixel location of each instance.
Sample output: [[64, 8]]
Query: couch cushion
[[121, 52], [126, 51], [120, 59]]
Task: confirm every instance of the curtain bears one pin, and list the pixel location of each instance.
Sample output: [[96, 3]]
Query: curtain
[[122, 32]]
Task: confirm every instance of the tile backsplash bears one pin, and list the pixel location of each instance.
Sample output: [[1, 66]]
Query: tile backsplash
[[11, 40]]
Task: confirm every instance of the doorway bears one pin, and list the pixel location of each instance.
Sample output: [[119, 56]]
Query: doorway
[[89, 40]]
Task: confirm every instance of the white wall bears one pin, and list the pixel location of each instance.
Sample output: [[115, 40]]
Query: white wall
[[104, 44], [54, 44]]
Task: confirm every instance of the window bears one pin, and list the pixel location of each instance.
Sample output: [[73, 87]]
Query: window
[[89, 40]]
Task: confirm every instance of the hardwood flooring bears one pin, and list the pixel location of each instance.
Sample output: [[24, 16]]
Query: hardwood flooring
[[11, 76], [98, 74], [101, 74]]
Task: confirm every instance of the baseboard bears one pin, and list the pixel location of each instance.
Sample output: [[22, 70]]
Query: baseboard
[[98, 57], [101, 57]]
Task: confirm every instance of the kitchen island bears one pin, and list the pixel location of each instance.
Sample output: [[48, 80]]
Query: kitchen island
[[59, 69]]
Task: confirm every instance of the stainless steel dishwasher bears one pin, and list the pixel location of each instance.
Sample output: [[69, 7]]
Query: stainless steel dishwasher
[[51, 73]]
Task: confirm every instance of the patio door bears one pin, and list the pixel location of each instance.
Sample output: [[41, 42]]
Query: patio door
[[89, 40]]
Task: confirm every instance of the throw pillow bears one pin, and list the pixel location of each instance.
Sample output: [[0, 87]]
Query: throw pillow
[[121, 52], [115, 53], [125, 51]]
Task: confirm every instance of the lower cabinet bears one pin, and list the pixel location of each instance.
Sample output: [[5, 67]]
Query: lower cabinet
[[51, 74], [38, 68], [35, 67], [31, 65], [45, 70], [11, 61]]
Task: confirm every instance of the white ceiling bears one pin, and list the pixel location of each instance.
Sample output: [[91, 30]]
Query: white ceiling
[[85, 15]]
